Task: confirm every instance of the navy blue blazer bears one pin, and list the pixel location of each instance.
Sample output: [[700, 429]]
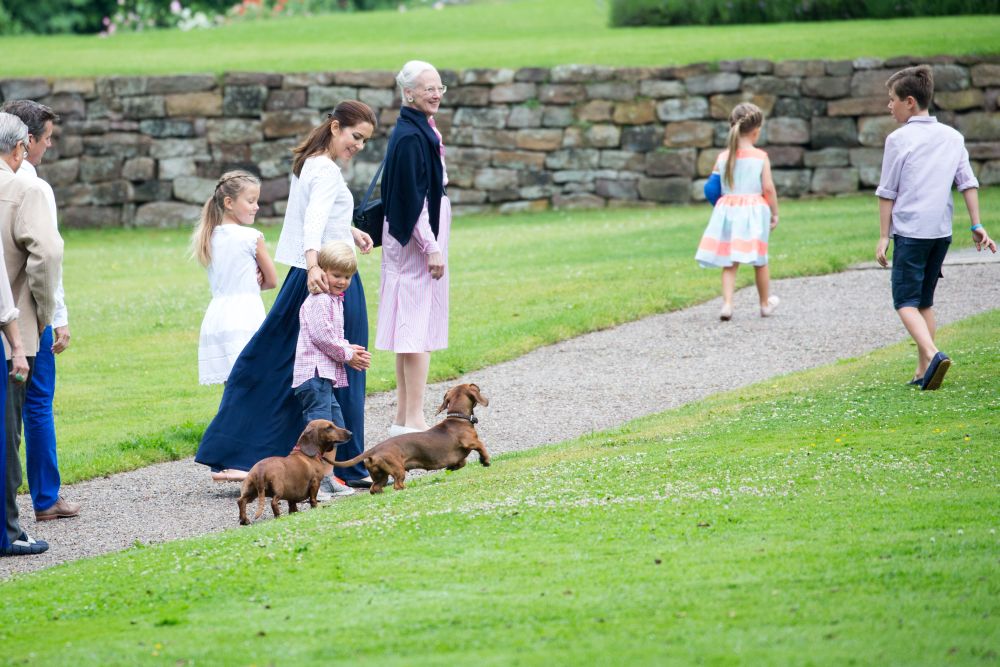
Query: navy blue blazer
[[413, 172]]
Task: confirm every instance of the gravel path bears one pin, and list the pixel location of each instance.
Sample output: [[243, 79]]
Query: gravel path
[[593, 382]]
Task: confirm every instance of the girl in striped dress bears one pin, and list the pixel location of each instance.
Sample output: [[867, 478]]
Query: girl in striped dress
[[746, 213]]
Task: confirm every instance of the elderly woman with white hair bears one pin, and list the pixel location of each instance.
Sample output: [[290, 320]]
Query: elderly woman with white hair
[[413, 303]]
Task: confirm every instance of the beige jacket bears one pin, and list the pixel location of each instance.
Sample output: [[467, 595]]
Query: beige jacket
[[32, 252]]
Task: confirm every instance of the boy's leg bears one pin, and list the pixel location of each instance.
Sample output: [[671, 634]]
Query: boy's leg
[[916, 324], [916, 267], [314, 395]]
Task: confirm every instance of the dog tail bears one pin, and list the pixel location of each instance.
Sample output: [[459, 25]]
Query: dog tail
[[356, 460], [261, 498]]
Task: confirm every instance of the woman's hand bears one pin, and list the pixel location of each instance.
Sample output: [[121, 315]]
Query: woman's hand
[[435, 264], [361, 360], [362, 240], [316, 280]]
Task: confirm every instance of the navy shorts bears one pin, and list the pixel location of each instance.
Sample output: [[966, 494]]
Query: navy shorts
[[916, 267]]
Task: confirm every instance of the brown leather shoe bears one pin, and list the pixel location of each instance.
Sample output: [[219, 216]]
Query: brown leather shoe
[[62, 509]]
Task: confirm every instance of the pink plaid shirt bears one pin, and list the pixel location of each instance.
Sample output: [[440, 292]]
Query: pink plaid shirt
[[322, 349]]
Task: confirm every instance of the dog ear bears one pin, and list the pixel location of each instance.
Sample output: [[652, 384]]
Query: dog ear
[[309, 440], [479, 398], [446, 401]]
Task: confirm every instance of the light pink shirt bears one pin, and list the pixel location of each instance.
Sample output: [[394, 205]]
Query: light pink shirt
[[922, 159], [322, 349]]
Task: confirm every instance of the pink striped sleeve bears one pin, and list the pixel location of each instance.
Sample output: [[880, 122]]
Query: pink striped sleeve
[[423, 235]]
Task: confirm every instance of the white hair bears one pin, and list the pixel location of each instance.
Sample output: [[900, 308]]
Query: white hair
[[407, 77], [12, 130]]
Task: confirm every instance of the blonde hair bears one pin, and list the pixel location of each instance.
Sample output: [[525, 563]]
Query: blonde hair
[[744, 119], [230, 184], [337, 256]]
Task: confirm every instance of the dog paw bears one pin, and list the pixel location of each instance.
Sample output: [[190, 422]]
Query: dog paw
[[486, 464]]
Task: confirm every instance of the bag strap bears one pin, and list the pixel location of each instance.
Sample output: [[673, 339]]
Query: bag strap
[[378, 172]]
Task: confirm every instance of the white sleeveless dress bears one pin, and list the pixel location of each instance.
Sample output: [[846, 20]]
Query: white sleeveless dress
[[236, 310]]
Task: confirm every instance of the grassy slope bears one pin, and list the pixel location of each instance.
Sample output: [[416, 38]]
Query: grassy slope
[[518, 282], [492, 34], [831, 517]]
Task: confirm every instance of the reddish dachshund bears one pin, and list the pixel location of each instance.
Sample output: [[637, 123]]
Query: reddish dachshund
[[295, 477], [445, 445]]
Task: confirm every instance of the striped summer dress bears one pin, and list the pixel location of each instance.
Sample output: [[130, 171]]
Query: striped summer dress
[[413, 307], [740, 225]]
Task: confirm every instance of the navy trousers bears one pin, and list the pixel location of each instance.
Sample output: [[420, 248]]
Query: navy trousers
[[40, 427], [259, 415]]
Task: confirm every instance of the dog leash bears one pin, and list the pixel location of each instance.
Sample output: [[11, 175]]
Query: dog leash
[[469, 418]]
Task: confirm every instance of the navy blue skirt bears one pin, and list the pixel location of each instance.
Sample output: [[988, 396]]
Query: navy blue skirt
[[259, 415]]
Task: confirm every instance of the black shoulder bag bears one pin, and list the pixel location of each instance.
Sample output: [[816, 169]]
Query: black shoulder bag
[[368, 217]]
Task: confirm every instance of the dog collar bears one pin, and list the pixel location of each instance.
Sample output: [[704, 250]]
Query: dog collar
[[469, 418]]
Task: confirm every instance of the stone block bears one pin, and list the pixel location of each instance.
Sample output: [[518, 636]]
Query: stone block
[[61, 172], [469, 96], [756, 66], [577, 200], [949, 77], [193, 189], [989, 174], [492, 77], [99, 169], [486, 138], [682, 108], [622, 160], [603, 136], [246, 101], [872, 130], [207, 104], [787, 130], [573, 158], [291, 123], [581, 73], [285, 100], [985, 74], [840, 67], [306, 79], [90, 217], [557, 116], [274, 189], [799, 107], [532, 74], [638, 112], [167, 214], [826, 87], [490, 117], [152, 190], [688, 133], [169, 148], [868, 162], [281, 149], [517, 160], [833, 180], [525, 116], [710, 84], [510, 93], [800, 68], [186, 83], [667, 190], [24, 89], [642, 138], [979, 126], [617, 188], [791, 182], [83, 86], [722, 105], [533, 206], [173, 167], [595, 111], [495, 179], [121, 145], [659, 89], [94, 194], [266, 79], [378, 98], [871, 83], [619, 91], [577, 178], [233, 154], [326, 98], [785, 156], [706, 161], [233, 130], [369, 78], [561, 93], [827, 157], [123, 86], [833, 132], [960, 100], [144, 106], [983, 150], [139, 169], [167, 127], [461, 196], [868, 63], [66, 105], [858, 106], [772, 85], [671, 162]]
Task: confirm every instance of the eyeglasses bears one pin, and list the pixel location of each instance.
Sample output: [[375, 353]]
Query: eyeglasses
[[430, 90], [24, 143]]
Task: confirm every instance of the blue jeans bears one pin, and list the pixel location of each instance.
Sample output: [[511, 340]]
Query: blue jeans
[[40, 427], [318, 402]]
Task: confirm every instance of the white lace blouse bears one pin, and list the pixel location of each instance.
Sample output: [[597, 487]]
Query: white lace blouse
[[320, 209]]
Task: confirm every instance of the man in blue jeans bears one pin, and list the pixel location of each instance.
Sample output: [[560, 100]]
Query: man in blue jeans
[[39, 424]]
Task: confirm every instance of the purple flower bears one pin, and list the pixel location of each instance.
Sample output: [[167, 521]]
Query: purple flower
[[175, 7]]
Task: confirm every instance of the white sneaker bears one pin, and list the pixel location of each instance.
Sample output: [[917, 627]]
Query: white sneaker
[[330, 487], [768, 310], [396, 429]]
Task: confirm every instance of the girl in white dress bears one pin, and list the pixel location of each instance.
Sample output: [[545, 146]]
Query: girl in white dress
[[238, 269]]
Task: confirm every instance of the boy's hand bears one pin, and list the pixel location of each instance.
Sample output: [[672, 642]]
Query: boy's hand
[[983, 240], [880, 250], [361, 360]]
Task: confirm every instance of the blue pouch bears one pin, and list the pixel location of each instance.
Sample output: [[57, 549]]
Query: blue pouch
[[713, 188]]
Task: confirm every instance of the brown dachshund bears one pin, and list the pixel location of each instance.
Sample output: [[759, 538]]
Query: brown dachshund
[[445, 445], [295, 477]]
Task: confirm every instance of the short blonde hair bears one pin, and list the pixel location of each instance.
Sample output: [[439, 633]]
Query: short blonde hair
[[337, 256]]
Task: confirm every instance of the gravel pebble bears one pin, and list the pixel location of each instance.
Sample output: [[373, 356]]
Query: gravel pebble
[[596, 381]]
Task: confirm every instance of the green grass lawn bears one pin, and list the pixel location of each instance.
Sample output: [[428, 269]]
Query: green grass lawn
[[128, 392], [515, 33], [828, 517]]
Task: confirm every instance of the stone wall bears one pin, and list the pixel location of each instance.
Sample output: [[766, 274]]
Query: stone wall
[[147, 150]]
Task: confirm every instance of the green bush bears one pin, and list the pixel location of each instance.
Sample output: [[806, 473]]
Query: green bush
[[714, 12]]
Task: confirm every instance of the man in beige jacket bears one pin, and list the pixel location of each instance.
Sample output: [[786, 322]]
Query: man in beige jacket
[[32, 252]]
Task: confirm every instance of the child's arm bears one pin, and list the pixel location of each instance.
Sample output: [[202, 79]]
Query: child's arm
[[884, 220], [267, 276], [770, 192], [979, 235], [323, 329]]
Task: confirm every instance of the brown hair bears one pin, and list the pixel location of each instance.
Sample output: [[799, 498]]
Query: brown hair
[[337, 256], [34, 115], [744, 119], [230, 184], [916, 82], [347, 114]]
